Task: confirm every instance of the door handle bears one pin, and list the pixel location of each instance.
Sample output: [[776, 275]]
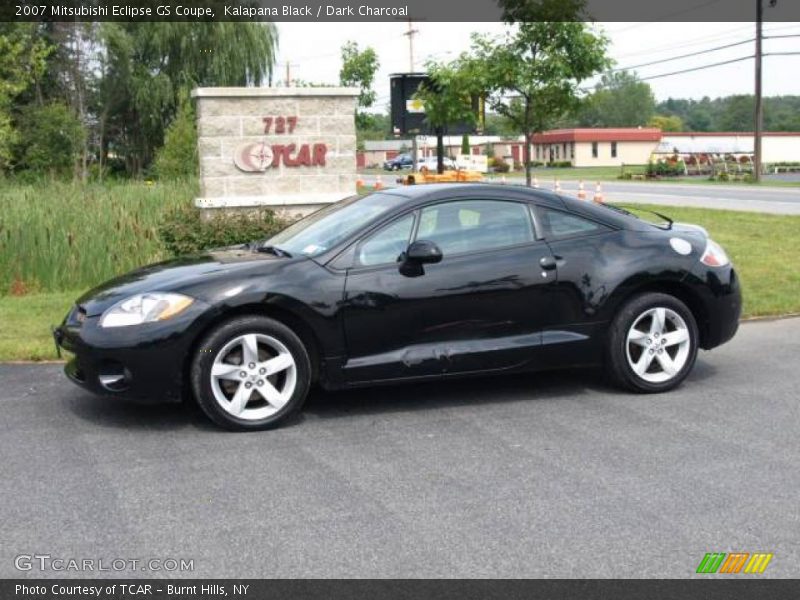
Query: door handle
[[548, 263]]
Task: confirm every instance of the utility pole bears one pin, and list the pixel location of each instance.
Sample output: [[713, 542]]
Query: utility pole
[[759, 109], [411, 33], [288, 80]]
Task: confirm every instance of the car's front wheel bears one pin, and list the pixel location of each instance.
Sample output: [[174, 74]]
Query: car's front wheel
[[652, 343], [250, 373]]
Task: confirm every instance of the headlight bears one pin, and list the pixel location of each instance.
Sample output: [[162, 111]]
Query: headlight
[[714, 255], [145, 308]]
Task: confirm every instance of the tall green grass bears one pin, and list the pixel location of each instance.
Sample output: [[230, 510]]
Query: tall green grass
[[63, 236]]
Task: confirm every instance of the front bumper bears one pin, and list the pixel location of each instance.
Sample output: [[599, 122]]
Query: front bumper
[[721, 294], [144, 362]]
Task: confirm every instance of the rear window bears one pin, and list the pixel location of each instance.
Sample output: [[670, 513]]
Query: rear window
[[557, 223]]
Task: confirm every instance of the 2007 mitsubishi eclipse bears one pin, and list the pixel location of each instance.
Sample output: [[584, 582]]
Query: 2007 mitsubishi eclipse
[[417, 283]]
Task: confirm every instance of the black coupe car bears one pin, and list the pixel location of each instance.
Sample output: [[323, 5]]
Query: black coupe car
[[414, 283]]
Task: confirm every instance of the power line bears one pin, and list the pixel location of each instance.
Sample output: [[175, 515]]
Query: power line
[[697, 42], [718, 64], [728, 33], [698, 53]]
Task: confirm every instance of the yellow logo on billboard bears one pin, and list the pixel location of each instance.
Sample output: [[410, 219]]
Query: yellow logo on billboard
[[415, 105]]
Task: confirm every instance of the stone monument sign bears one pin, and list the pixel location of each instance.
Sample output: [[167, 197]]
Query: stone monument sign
[[289, 149]]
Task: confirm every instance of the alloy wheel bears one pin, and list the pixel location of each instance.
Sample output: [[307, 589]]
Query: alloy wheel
[[253, 376], [658, 345]]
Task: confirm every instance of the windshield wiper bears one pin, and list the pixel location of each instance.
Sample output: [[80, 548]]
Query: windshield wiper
[[268, 249]]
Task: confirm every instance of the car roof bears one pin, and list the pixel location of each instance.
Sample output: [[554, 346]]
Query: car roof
[[412, 195]]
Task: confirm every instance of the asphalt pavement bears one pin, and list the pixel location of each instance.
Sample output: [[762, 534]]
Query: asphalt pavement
[[767, 199], [543, 475]]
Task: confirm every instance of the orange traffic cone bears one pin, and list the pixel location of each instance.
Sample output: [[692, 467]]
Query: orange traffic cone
[[557, 186], [359, 181], [598, 194], [378, 183], [581, 191]]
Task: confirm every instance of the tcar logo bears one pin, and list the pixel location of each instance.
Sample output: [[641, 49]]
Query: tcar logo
[[257, 157], [253, 158], [734, 562]]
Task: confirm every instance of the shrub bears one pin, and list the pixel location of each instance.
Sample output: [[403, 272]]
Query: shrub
[[177, 158], [50, 139], [501, 166], [662, 168], [183, 231]]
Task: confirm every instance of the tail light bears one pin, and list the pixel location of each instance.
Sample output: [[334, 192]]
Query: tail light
[[714, 255]]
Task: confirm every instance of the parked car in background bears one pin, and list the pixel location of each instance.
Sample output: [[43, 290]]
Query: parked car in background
[[431, 163], [401, 161]]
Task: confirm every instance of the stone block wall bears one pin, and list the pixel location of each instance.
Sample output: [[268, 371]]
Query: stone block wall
[[291, 149]]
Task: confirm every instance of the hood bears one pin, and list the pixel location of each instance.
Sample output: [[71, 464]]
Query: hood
[[690, 227], [181, 275]]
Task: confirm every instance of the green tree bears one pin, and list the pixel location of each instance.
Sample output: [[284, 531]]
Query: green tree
[[23, 60], [177, 158], [532, 74], [620, 99], [146, 67], [358, 70], [447, 98], [737, 114], [665, 123], [529, 11], [496, 124], [53, 139]]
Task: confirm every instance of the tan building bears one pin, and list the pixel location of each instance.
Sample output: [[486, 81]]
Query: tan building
[[776, 146], [596, 147]]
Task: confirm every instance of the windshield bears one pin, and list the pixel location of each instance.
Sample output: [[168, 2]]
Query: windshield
[[322, 230]]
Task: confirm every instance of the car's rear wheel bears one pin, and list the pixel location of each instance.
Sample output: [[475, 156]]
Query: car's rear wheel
[[652, 343], [250, 373]]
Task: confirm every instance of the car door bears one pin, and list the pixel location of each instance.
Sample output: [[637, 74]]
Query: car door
[[481, 308]]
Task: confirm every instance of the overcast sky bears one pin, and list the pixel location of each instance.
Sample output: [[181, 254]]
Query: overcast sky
[[314, 51]]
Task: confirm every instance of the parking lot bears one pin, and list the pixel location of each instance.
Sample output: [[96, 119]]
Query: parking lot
[[545, 475]]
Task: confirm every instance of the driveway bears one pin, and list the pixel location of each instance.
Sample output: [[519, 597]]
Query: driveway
[[546, 475]]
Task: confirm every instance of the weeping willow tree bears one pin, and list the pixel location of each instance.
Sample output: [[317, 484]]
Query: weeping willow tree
[[145, 68]]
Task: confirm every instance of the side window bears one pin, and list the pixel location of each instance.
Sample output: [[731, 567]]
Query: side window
[[386, 245], [557, 223], [473, 225]]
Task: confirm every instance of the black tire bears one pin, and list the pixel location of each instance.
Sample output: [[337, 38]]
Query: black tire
[[207, 350], [617, 366]]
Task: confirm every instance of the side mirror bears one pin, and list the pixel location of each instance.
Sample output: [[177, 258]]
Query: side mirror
[[423, 252]]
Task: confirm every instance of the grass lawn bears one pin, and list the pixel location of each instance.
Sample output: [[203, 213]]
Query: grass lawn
[[25, 324], [764, 249]]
